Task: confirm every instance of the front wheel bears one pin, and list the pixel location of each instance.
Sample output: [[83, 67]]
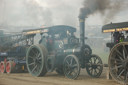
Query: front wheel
[[71, 67], [94, 66]]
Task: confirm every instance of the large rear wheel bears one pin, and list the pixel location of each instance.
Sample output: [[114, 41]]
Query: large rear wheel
[[35, 60], [118, 63]]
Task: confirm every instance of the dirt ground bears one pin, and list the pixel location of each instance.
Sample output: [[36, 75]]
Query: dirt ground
[[53, 79]]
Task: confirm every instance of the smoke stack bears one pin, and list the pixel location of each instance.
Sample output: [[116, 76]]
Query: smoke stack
[[82, 30]]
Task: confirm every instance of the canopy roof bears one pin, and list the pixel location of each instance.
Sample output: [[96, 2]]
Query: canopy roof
[[51, 30], [115, 27]]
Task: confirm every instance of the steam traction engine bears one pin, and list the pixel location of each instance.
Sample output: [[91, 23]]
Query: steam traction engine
[[118, 57], [60, 50], [13, 51]]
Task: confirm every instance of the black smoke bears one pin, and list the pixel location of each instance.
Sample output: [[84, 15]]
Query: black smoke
[[112, 7]]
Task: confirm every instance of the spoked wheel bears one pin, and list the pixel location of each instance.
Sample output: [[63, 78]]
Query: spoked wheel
[[3, 67], [118, 63], [94, 66], [71, 67], [9, 67], [35, 60]]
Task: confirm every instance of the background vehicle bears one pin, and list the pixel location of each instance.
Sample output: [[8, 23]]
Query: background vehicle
[[13, 49], [118, 58]]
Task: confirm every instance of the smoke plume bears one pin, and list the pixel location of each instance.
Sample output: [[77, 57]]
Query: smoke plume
[[24, 14], [37, 13], [101, 6]]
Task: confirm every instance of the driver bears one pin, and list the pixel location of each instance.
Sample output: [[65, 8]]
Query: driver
[[116, 36], [122, 37]]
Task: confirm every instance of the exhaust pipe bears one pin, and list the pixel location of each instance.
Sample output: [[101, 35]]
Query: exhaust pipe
[[82, 31]]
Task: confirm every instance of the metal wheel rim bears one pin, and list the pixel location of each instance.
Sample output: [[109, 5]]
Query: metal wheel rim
[[35, 61], [94, 67], [70, 63], [118, 63]]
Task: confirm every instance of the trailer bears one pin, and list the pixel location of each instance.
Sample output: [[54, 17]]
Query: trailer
[[60, 50], [118, 57], [13, 49]]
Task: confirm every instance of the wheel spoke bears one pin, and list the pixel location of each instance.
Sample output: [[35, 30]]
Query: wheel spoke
[[90, 68], [31, 57], [40, 61], [125, 50], [95, 72], [119, 66], [69, 73], [95, 60], [34, 68], [119, 54], [118, 60], [34, 53], [114, 68], [91, 71], [31, 64], [118, 63], [123, 54], [75, 65], [67, 62], [98, 62], [120, 73], [71, 61], [98, 68], [38, 56]]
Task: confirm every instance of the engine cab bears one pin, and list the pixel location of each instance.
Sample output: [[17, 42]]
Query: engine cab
[[119, 33], [59, 39]]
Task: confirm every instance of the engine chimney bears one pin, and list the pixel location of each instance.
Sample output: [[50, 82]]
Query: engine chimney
[[82, 30]]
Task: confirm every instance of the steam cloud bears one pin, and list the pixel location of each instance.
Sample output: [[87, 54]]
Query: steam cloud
[[101, 6], [38, 13], [23, 14]]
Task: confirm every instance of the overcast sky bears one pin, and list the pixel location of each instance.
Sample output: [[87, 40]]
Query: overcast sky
[[49, 12]]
